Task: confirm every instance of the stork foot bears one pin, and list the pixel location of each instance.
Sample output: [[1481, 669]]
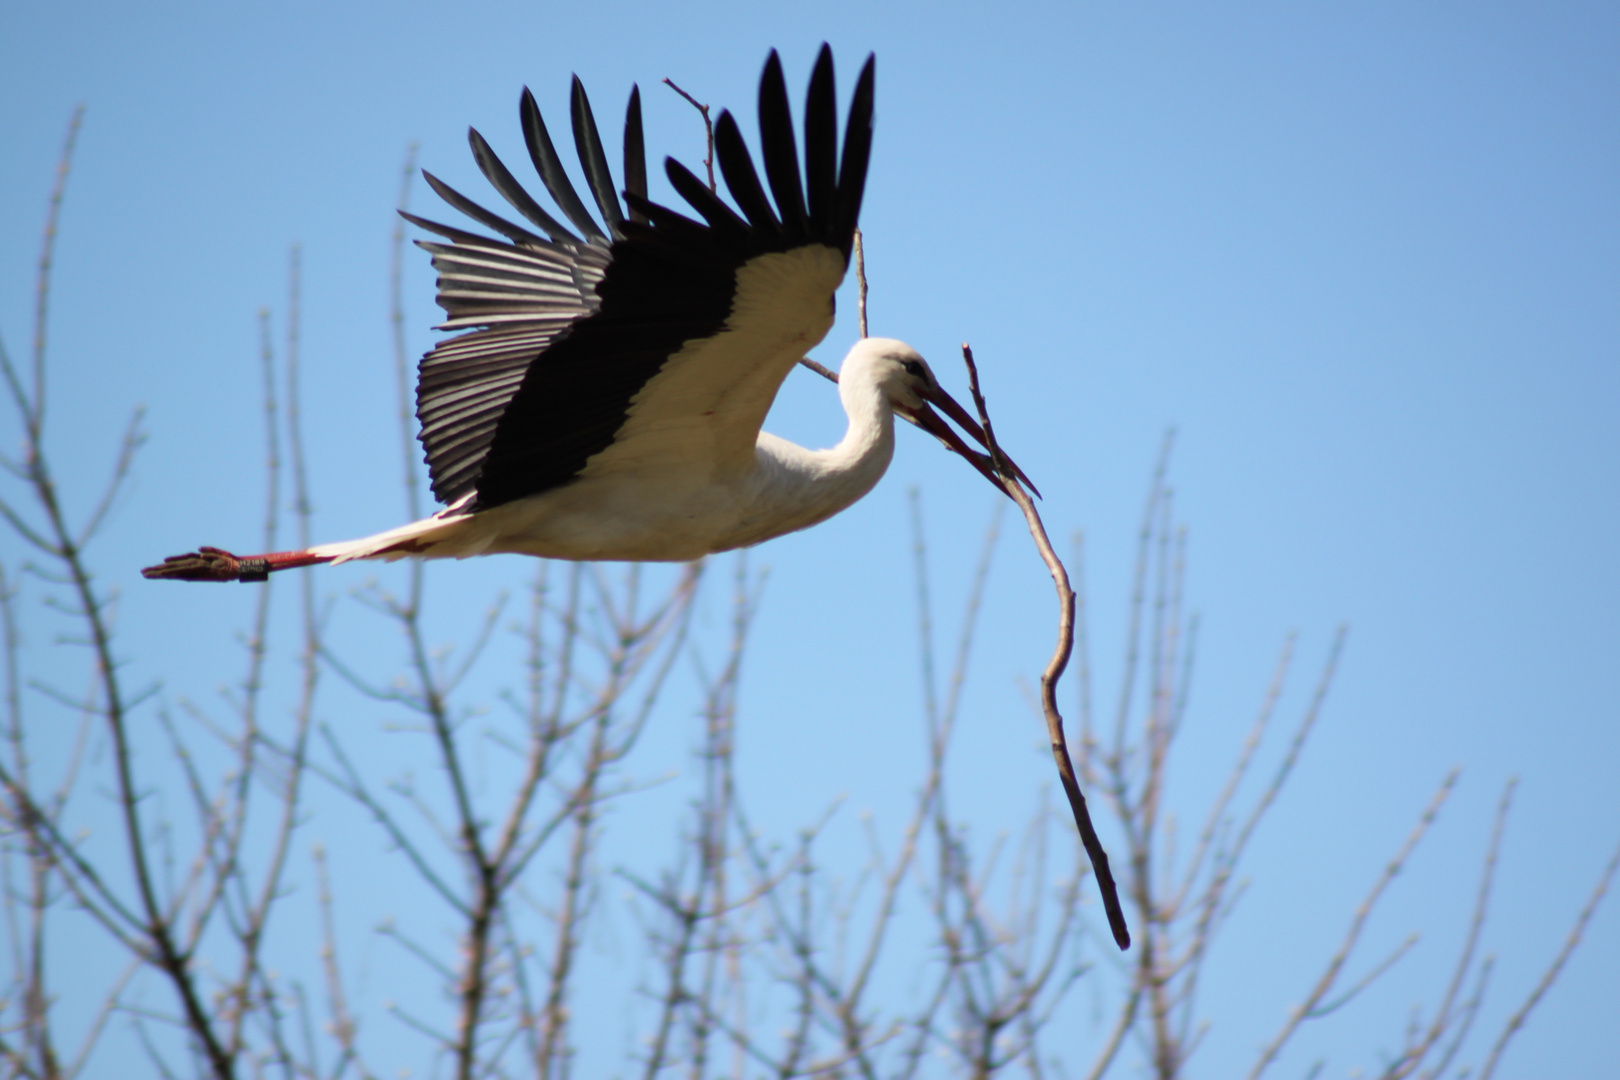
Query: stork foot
[[209, 564]]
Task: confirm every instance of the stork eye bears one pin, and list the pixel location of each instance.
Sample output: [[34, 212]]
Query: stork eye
[[915, 369]]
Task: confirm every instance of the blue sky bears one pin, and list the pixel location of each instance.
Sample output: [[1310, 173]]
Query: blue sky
[[1365, 259]]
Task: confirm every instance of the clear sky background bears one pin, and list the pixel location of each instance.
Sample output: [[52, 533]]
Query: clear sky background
[[1364, 258]]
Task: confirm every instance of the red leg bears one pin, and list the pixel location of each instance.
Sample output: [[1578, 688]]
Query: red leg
[[216, 564]]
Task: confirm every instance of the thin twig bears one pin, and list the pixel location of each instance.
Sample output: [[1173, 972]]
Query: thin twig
[[396, 324], [1305, 1009], [1444, 1016], [708, 129], [860, 306], [820, 369], [47, 253], [1550, 976], [342, 1025], [860, 280]]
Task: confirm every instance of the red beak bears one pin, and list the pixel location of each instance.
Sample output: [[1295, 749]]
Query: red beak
[[927, 419]]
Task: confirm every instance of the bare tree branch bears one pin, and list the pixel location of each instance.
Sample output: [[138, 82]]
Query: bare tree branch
[[1324, 985], [91, 607], [1550, 976]]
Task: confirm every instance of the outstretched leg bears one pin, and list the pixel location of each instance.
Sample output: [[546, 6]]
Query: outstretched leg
[[216, 564], [446, 534]]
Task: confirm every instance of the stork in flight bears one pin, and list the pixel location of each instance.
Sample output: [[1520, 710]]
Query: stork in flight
[[606, 397]]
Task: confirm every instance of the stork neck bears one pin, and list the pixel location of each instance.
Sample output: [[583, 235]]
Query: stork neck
[[795, 488], [863, 454], [820, 483], [871, 418]]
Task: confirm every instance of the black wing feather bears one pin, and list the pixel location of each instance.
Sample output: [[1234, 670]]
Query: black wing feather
[[635, 156], [561, 334], [738, 167], [677, 228], [857, 153], [501, 179], [720, 217], [515, 233], [821, 146], [594, 161], [550, 168], [778, 149], [450, 232]]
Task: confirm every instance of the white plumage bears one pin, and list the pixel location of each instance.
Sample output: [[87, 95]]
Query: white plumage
[[607, 399]]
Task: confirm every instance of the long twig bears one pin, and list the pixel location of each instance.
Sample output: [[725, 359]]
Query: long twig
[[1054, 668]]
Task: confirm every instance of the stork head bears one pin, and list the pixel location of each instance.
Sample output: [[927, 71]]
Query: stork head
[[905, 380], [897, 370]]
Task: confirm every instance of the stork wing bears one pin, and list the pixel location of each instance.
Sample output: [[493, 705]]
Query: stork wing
[[658, 340]]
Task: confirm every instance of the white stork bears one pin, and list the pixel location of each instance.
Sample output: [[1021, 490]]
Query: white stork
[[606, 399]]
